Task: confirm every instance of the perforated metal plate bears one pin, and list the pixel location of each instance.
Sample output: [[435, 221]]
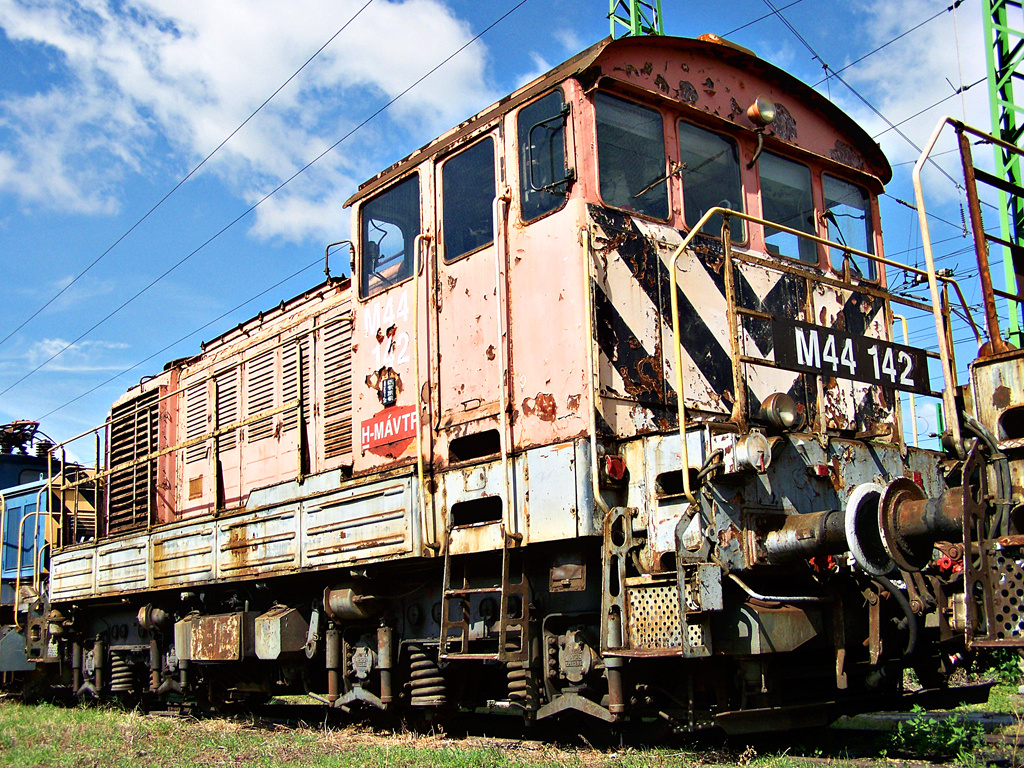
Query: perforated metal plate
[[654, 617], [1008, 595]]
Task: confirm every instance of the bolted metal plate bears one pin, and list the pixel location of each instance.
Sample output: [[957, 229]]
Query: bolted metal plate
[[654, 620]]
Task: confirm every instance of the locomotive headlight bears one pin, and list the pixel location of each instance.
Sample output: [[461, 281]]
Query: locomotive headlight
[[779, 410], [762, 111]]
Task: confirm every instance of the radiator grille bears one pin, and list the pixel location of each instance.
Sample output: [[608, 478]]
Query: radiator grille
[[133, 434], [260, 395], [337, 340], [227, 409], [195, 421], [289, 377]]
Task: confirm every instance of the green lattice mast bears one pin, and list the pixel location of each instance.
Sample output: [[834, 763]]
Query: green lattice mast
[[635, 17], [1005, 58]]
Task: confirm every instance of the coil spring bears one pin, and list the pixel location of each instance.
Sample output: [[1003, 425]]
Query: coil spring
[[427, 688], [121, 680], [522, 687]]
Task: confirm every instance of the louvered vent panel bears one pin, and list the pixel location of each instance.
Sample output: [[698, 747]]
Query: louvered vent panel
[[227, 408], [133, 435], [289, 380], [195, 421], [260, 395], [338, 389]]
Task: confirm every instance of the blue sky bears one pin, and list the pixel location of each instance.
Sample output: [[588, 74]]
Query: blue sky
[[106, 105]]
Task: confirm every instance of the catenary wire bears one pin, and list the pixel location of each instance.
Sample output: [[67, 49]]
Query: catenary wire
[[854, 91], [885, 44], [263, 199], [188, 335], [184, 179], [760, 18]]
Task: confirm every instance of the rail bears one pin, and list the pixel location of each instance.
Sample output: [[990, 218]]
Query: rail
[[939, 304]]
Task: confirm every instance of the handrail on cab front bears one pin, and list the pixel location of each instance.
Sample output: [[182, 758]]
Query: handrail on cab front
[[949, 376]]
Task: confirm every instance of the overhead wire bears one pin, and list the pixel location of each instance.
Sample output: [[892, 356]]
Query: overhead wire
[[187, 336], [887, 43], [760, 18], [266, 197], [185, 178], [853, 90]]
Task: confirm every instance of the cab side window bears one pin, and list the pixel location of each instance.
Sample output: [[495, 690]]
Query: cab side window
[[543, 178], [389, 225], [786, 199], [631, 156], [848, 217], [467, 182], [711, 177]]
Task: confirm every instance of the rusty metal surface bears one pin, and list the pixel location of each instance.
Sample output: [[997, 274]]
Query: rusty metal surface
[[354, 525], [225, 637]]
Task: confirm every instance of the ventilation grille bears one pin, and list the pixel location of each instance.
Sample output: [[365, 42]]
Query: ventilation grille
[[260, 395], [337, 389], [227, 409], [133, 435], [289, 380], [195, 421], [654, 616]]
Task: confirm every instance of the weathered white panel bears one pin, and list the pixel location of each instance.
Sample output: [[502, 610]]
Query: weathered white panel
[[183, 555], [122, 565], [550, 506], [358, 525], [72, 574], [264, 543]]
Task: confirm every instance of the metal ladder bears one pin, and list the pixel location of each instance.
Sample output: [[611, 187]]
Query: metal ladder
[[513, 604]]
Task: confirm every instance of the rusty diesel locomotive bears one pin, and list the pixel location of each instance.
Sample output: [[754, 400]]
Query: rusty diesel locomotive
[[608, 418]]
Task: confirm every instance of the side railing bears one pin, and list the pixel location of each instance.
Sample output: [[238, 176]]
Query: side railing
[[69, 483], [941, 308], [995, 343]]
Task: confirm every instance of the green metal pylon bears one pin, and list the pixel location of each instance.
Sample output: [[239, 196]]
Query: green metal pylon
[[1005, 58], [636, 17]]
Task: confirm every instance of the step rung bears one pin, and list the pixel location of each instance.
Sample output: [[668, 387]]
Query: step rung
[[471, 656], [472, 591]]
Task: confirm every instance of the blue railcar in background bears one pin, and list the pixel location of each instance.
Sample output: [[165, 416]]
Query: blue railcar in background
[[24, 528]]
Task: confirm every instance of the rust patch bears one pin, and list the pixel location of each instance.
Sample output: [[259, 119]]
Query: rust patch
[[662, 83], [735, 107], [709, 87], [490, 352], [784, 123], [1001, 397], [687, 92], [451, 282], [392, 331], [380, 336], [728, 535], [847, 155], [543, 406], [573, 402], [375, 379]]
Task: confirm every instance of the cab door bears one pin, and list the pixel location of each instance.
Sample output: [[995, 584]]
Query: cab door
[[469, 303]]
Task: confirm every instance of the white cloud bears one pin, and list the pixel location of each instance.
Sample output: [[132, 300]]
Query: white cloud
[[151, 73], [911, 75], [540, 67], [83, 357]]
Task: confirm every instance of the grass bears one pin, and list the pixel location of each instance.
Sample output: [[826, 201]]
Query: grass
[[98, 737]]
